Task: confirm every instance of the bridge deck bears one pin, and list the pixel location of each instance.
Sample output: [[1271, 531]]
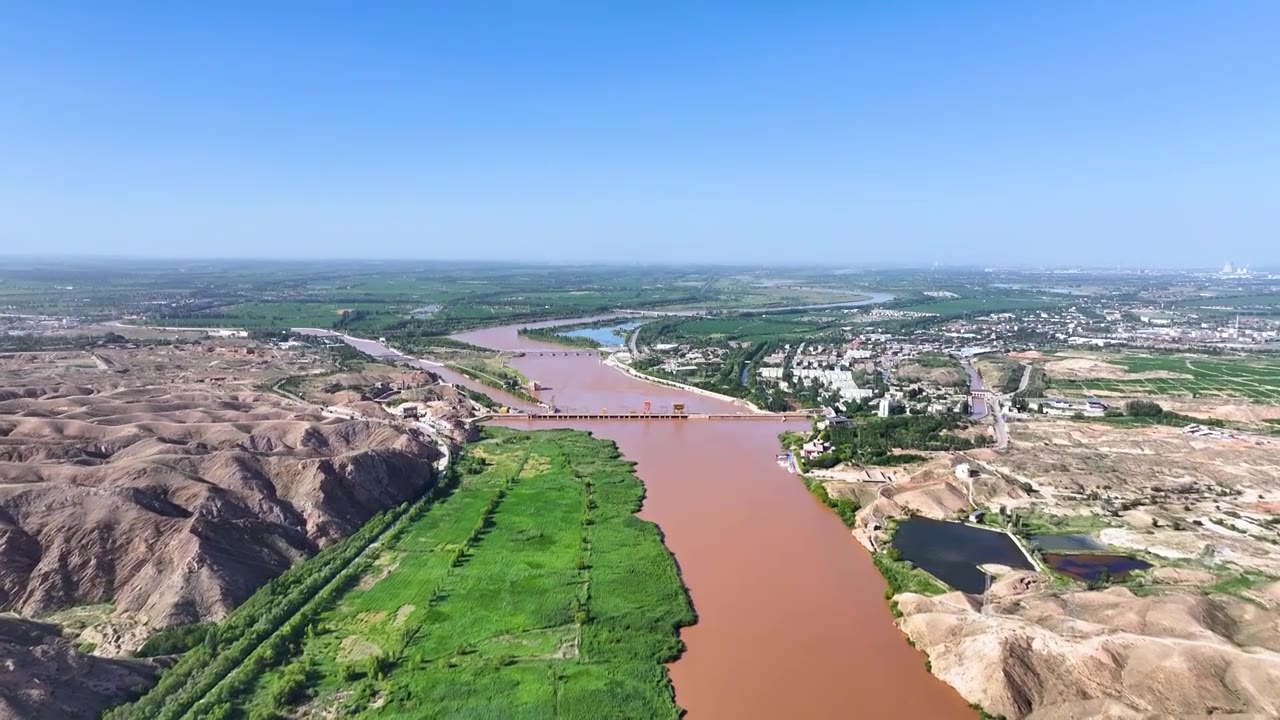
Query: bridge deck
[[775, 417]]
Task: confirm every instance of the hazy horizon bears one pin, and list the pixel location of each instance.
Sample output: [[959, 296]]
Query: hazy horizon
[[996, 134], [838, 268]]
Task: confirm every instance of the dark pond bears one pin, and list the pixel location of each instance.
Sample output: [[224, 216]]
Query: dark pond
[[1067, 543], [952, 551], [1089, 566]]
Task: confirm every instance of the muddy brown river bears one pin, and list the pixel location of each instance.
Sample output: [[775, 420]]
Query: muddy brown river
[[792, 621]]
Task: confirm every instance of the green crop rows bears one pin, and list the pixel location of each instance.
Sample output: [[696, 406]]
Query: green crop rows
[[1196, 377], [528, 589]]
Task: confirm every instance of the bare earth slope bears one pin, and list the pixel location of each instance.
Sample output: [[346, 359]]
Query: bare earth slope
[[1197, 637], [175, 502], [142, 498], [37, 666], [1101, 654]]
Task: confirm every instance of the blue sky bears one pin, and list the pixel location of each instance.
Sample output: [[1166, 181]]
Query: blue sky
[[904, 133]]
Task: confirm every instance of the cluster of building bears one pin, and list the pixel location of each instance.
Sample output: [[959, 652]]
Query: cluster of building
[[1101, 322], [1071, 408], [832, 368], [679, 359]]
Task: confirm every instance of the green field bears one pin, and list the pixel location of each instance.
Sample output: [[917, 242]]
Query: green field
[[984, 305], [1203, 377], [1244, 304], [748, 327], [529, 591]]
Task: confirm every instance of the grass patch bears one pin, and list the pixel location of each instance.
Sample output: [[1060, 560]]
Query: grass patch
[[846, 508], [1026, 523], [1238, 582], [903, 576], [983, 305]]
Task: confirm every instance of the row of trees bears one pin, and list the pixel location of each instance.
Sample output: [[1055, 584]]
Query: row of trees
[[871, 441], [269, 626], [553, 335]]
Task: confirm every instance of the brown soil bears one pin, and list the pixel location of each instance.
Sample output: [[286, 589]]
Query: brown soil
[[1037, 650], [1100, 654], [1083, 368], [42, 676], [1234, 411], [171, 497], [943, 377], [1163, 491]]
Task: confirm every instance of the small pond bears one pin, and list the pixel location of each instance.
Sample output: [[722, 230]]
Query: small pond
[[1089, 566], [607, 336], [953, 551]]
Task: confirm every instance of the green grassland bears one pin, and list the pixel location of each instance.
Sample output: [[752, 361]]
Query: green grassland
[[1254, 379], [528, 590], [276, 315], [1243, 304], [743, 328], [746, 291], [985, 305]]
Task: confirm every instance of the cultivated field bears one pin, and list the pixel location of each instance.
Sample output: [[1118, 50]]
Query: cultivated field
[[984, 305], [1170, 375], [745, 327], [527, 590]]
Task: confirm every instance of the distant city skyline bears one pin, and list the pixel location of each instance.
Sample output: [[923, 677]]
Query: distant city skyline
[[1095, 134]]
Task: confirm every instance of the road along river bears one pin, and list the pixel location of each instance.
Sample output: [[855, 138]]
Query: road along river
[[792, 621]]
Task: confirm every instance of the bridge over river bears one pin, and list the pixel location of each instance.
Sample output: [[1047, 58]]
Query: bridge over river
[[775, 417]]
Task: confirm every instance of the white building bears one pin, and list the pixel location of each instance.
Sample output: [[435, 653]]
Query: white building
[[886, 407]]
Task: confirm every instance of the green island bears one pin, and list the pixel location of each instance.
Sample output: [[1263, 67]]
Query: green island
[[522, 586]]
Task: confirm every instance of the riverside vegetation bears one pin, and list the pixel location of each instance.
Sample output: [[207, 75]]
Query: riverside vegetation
[[523, 587]]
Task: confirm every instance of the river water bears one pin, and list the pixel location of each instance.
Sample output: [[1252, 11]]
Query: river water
[[792, 621]]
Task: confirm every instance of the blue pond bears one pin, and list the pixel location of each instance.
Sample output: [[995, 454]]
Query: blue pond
[[606, 336], [953, 551]]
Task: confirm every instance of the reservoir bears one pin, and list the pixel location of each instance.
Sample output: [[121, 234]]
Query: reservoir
[[792, 621], [952, 551], [1090, 566]]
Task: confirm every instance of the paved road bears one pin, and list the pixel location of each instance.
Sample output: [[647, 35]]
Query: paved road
[[977, 407], [1026, 378], [1002, 429]]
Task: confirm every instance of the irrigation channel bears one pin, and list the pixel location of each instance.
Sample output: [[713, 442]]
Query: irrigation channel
[[792, 620]]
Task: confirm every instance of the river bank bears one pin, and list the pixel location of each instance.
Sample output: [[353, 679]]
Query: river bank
[[614, 362]]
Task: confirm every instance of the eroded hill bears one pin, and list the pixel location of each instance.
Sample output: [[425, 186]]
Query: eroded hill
[[166, 489]]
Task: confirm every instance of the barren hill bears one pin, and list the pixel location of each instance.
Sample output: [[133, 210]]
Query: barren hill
[[176, 501], [1101, 654], [38, 665]]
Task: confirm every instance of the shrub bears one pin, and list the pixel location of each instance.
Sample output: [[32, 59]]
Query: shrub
[[1143, 408]]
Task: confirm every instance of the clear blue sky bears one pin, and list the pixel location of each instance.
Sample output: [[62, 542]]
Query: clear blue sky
[[906, 133]]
